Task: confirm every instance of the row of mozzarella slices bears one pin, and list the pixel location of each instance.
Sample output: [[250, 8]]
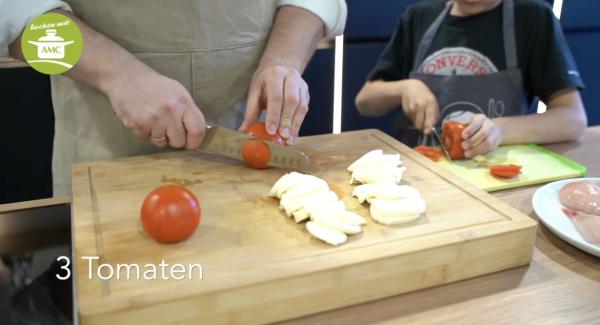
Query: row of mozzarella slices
[[307, 197], [379, 175]]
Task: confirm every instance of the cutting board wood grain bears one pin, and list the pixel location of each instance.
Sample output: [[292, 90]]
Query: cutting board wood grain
[[539, 166], [258, 265]]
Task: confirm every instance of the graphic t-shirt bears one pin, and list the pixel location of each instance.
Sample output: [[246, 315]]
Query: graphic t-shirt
[[473, 45]]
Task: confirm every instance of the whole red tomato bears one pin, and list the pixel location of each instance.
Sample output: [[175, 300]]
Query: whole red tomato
[[170, 214], [452, 137], [256, 153]]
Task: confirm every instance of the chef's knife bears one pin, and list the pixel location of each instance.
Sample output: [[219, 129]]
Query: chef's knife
[[229, 143]]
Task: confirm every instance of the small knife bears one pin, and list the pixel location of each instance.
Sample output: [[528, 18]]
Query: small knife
[[229, 143]]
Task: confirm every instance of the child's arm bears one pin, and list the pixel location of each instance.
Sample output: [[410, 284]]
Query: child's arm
[[564, 120], [420, 105]]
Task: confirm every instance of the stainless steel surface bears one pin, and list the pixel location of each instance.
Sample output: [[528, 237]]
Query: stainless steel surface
[[224, 141], [286, 157]]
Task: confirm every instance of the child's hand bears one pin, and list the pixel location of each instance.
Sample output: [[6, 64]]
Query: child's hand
[[480, 136], [420, 105]]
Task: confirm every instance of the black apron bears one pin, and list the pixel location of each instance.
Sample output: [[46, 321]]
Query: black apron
[[461, 96]]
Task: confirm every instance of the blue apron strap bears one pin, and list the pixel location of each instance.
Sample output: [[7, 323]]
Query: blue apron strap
[[508, 30], [429, 36]]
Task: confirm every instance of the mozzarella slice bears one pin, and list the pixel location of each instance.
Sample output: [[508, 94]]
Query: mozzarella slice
[[382, 161], [369, 156], [397, 211], [332, 221], [394, 221], [311, 207], [330, 236], [305, 212], [300, 215], [314, 196], [306, 182], [304, 189], [339, 210], [312, 178], [385, 191], [376, 174], [350, 217], [283, 183], [295, 204], [281, 180]]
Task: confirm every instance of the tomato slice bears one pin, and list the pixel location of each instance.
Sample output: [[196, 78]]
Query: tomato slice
[[432, 153], [256, 154], [259, 130], [505, 171], [452, 138], [170, 214]]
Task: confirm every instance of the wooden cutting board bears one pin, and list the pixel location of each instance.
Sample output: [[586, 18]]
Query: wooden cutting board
[[259, 266], [539, 166]]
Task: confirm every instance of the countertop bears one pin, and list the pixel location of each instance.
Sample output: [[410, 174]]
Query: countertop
[[560, 286]]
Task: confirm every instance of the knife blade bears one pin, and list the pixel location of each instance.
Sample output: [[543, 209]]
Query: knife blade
[[439, 139], [228, 142]]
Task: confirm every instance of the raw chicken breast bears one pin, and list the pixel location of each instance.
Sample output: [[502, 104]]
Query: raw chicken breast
[[582, 202], [581, 196], [588, 225]]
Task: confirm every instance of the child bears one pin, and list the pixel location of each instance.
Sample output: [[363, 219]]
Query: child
[[481, 62]]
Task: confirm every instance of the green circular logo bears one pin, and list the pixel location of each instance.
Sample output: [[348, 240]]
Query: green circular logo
[[52, 43]]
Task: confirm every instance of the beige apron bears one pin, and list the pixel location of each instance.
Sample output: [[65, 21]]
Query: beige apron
[[211, 46]]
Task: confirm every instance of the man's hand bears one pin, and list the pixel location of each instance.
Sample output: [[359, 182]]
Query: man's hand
[[419, 105], [153, 106], [277, 85], [480, 136], [157, 108], [283, 93]]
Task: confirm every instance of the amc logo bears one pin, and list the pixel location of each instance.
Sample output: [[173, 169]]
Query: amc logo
[[51, 46]]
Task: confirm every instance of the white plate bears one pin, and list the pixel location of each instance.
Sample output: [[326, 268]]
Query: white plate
[[548, 208]]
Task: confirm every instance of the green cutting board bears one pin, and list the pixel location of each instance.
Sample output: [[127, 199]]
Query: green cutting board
[[539, 166]]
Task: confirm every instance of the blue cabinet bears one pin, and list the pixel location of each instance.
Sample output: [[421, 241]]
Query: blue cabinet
[[359, 60], [581, 23], [370, 20], [369, 27], [580, 15], [319, 77]]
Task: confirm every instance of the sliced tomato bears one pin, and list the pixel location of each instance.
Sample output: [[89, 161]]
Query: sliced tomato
[[452, 138], [256, 154], [505, 171], [259, 130], [170, 214], [432, 153]]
